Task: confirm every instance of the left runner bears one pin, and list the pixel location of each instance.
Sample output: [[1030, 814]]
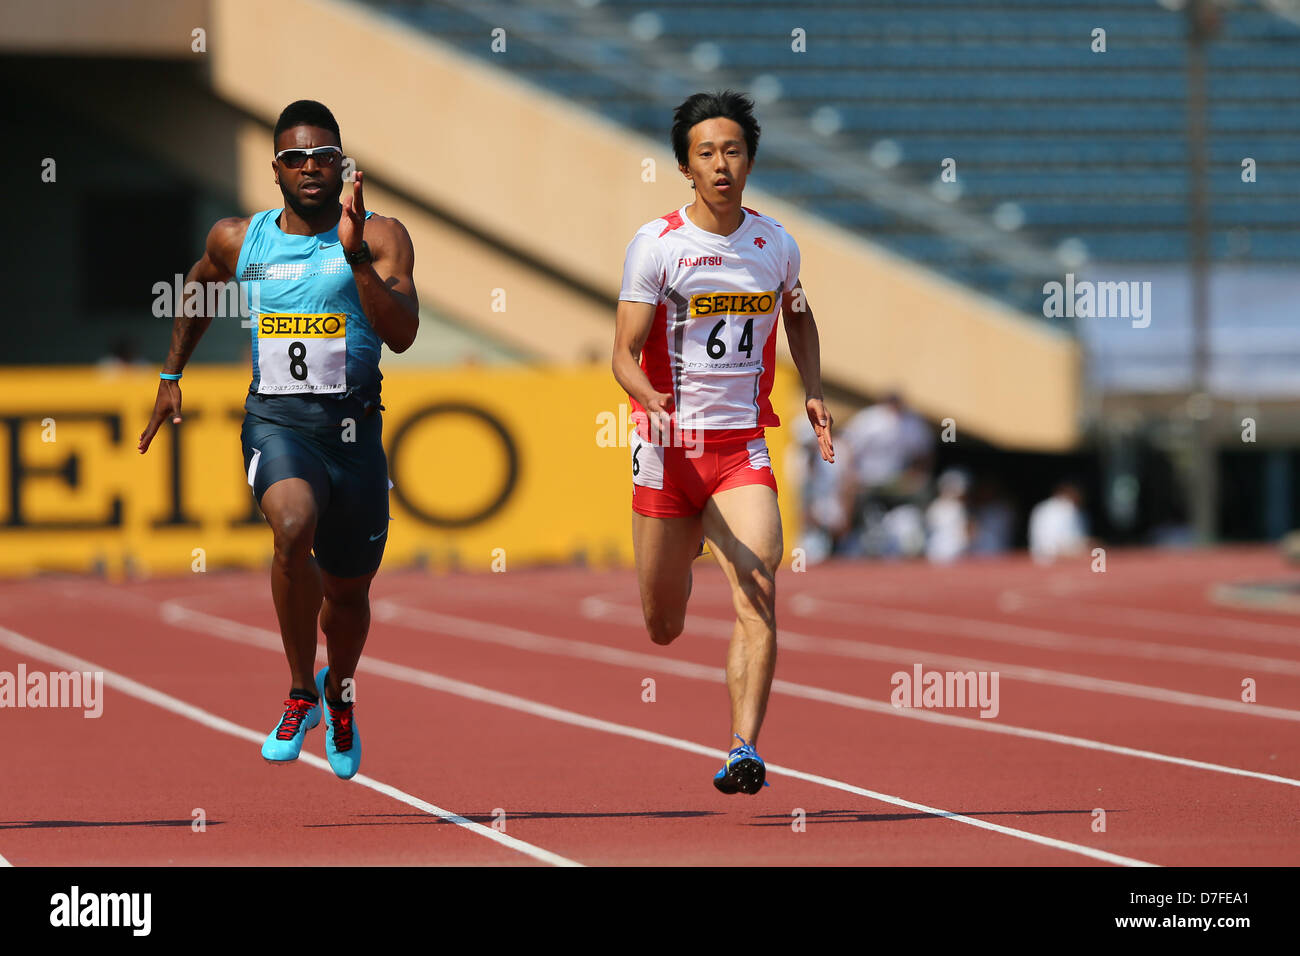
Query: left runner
[[330, 283]]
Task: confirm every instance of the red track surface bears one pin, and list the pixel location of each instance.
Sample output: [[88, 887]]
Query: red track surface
[[568, 645]]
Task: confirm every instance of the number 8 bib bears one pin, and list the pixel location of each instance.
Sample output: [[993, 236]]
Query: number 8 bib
[[302, 353]]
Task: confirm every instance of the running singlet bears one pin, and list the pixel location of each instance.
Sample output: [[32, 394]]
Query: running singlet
[[713, 341], [315, 355]]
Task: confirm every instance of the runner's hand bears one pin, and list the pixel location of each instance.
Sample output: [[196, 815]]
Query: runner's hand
[[659, 409], [168, 403], [821, 423], [352, 222]]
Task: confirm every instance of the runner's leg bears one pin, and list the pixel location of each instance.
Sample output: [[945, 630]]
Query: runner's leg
[[345, 621], [743, 528], [290, 509], [664, 549]]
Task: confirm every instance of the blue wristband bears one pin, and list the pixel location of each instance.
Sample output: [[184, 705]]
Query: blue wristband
[[170, 376]]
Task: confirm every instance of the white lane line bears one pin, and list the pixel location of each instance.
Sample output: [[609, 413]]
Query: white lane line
[[1003, 633], [391, 612], [176, 613], [25, 645], [385, 609], [4, 862], [598, 608], [1213, 625]]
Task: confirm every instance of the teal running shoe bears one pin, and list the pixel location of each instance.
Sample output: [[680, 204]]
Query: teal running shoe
[[744, 771], [342, 740], [285, 742]]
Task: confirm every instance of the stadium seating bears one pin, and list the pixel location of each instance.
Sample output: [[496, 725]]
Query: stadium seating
[[1088, 146]]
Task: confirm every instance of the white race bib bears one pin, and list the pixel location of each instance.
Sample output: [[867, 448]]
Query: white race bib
[[302, 353], [647, 463]]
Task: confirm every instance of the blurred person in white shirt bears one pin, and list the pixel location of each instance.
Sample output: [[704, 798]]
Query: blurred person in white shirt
[[826, 495], [1056, 525], [890, 454], [947, 524], [889, 445]]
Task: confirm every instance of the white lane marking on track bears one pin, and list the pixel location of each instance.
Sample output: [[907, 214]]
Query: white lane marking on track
[[4, 862], [25, 645], [391, 612], [1003, 633], [1015, 601], [600, 609], [180, 615], [479, 630]]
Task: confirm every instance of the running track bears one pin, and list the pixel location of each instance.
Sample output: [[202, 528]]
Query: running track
[[503, 722]]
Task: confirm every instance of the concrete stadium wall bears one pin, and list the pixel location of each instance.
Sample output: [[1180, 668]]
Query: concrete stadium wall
[[565, 189], [505, 187], [146, 28]]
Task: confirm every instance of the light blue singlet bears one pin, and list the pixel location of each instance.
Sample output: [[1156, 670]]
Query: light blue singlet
[[315, 355]]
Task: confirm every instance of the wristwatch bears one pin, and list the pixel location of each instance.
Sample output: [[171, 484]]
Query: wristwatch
[[359, 257]]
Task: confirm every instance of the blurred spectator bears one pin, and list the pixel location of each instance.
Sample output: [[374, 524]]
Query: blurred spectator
[[889, 446], [889, 450], [993, 517], [902, 532], [826, 497], [1056, 525], [946, 521]]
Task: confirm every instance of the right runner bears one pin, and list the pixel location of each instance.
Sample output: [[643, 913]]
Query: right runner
[[695, 349]]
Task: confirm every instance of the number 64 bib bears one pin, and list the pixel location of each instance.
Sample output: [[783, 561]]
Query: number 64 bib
[[302, 353]]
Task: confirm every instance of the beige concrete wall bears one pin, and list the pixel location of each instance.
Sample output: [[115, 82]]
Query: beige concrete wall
[[456, 273], [458, 140], [479, 145], [147, 28]]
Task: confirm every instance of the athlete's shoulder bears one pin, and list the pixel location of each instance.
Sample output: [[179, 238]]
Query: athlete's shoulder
[[783, 234], [386, 224], [225, 239], [764, 218], [231, 227], [661, 227], [387, 236]]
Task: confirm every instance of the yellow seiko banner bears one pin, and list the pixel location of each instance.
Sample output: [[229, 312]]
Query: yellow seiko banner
[[491, 468]]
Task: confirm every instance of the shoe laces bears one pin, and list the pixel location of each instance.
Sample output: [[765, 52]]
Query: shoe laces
[[341, 723], [295, 712], [744, 750]]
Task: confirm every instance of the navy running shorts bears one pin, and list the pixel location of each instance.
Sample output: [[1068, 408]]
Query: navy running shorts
[[349, 480]]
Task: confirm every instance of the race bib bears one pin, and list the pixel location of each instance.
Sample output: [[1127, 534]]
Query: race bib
[[302, 353], [647, 463]]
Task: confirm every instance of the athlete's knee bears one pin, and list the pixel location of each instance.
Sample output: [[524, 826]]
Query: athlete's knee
[[351, 596], [755, 590], [664, 628], [293, 533]]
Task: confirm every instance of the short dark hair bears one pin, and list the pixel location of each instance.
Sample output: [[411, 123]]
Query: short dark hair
[[703, 106], [305, 113]]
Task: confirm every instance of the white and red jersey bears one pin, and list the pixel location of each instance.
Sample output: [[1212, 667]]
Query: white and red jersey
[[713, 341]]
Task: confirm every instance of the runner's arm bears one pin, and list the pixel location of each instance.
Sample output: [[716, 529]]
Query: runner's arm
[[220, 254], [805, 349], [216, 265], [632, 325], [386, 284]]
